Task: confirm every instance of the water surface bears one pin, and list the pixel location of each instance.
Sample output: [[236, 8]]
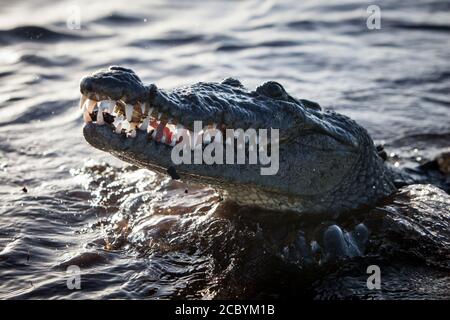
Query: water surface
[[136, 234]]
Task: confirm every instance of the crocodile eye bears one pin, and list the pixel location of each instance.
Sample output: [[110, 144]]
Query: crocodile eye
[[232, 82], [118, 68], [272, 89]]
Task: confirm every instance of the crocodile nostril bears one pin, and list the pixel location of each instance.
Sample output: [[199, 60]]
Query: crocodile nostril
[[86, 84]]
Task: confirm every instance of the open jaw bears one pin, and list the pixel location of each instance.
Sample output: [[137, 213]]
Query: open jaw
[[129, 120], [313, 162], [125, 119], [166, 118], [116, 97]]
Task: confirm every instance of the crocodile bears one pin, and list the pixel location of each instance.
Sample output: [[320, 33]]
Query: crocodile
[[327, 162]]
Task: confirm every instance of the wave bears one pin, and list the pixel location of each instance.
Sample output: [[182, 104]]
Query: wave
[[423, 26], [41, 112], [34, 34], [116, 18], [35, 59], [169, 40]]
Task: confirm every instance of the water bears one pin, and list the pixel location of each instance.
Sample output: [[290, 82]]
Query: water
[[135, 234]]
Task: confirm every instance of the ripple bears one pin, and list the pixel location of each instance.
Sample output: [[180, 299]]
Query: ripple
[[139, 234], [84, 260], [422, 26], [269, 44], [34, 34], [35, 59], [40, 112], [117, 18], [171, 39]]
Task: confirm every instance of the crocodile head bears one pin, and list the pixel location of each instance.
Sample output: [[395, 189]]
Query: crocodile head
[[322, 161]]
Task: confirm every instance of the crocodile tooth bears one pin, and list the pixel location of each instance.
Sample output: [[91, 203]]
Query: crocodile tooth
[[107, 105], [126, 125], [129, 111], [90, 105], [83, 99], [118, 119], [132, 134], [100, 120], [86, 117], [150, 112], [133, 125], [143, 107], [121, 106], [137, 109], [119, 127], [144, 124]]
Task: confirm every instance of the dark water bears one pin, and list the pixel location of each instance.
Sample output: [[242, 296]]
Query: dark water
[[136, 234]]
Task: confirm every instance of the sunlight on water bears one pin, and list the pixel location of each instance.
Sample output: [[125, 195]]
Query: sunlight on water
[[138, 234]]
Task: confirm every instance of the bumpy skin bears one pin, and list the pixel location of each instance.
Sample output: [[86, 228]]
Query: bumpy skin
[[328, 163]]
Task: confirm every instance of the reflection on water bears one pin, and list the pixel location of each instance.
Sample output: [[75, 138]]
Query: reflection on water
[[137, 234]]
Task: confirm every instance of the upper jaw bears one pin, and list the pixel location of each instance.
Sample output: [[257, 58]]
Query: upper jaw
[[125, 96], [207, 102], [114, 83], [159, 118], [161, 113], [117, 97]]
